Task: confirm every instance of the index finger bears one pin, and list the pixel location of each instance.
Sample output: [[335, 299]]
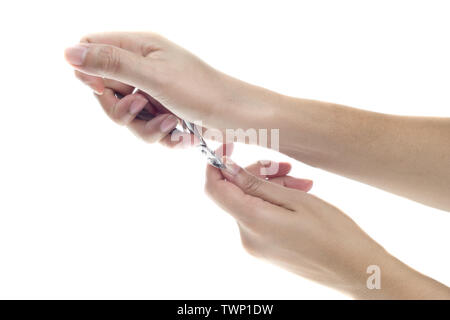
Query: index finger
[[137, 42]]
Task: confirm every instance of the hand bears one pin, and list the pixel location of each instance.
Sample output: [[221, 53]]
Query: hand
[[170, 79], [281, 223]]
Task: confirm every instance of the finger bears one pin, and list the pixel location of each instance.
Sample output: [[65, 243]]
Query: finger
[[251, 211], [213, 174], [137, 42], [228, 196], [122, 90], [269, 169], [177, 139], [304, 185], [118, 87], [122, 111], [155, 129], [98, 84], [257, 187], [110, 62], [155, 103], [280, 177], [225, 150]]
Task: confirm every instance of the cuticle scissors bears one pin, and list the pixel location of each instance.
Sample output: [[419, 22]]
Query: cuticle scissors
[[188, 127]]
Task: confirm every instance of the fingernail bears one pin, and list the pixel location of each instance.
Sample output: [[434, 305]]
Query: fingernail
[[169, 123], [269, 167], [76, 54], [231, 168], [137, 105]]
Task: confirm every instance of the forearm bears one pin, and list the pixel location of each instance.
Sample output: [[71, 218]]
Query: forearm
[[408, 156], [403, 155]]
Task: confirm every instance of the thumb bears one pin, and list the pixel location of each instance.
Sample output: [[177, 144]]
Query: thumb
[[110, 62], [257, 187]]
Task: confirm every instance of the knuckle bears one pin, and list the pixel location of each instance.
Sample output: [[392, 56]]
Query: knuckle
[[108, 59], [152, 38], [252, 184], [89, 37], [155, 36], [85, 38], [150, 42], [147, 48]]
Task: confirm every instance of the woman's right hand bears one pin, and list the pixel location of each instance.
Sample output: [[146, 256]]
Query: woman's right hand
[[173, 83], [281, 223]]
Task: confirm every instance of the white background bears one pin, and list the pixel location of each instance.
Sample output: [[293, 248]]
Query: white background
[[89, 211]]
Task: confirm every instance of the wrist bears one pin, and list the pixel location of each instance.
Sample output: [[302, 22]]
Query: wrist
[[258, 110], [386, 277], [310, 130], [301, 127], [240, 105]]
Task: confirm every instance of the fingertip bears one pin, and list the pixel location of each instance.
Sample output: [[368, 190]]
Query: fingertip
[[180, 140], [225, 149], [285, 166], [231, 169], [123, 111], [138, 103], [299, 184], [169, 123], [271, 169], [308, 185], [76, 55]]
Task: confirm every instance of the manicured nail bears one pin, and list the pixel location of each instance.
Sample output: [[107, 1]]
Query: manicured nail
[[268, 167], [137, 105], [76, 54], [169, 123], [231, 168]]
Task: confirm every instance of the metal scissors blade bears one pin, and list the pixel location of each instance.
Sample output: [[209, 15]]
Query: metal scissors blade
[[210, 155], [190, 127]]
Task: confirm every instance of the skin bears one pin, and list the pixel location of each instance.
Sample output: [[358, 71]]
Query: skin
[[308, 236], [278, 220]]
